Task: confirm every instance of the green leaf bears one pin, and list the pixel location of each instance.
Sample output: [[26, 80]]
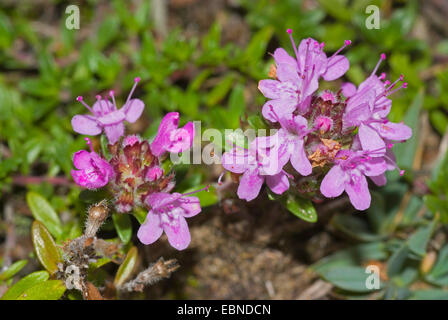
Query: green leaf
[[440, 168], [48, 290], [410, 216], [99, 263], [13, 269], [6, 31], [257, 122], [439, 120], [407, 276], [257, 45], [237, 105], [419, 240], [394, 292], [397, 260], [335, 34], [45, 247], [432, 294], [107, 31], [24, 284], [167, 165], [197, 82], [44, 212], [220, 90], [405, 152], [439, 273], [140, 214], [123, 225], [127, 267], [104, 147], [442, 47], [234, 138], [354, 227], [212, 39], [353, 256], [337, 9], [348, 278], [301, 208]]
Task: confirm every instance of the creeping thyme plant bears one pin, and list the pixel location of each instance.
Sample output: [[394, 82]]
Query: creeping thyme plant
[[332, 140], [134, 173], [346, 172]]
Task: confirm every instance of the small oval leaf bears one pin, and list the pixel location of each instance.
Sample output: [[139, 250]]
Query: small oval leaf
[[302, 208], [123, 225], [127, 267], [24, 284], [13, 269], [45, 247], [48, 290], [44, 212], [418, 241], [99, 263], [256, 122], [140, 214], [349, 278]]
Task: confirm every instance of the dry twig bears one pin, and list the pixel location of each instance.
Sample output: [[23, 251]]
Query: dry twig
[[157, 271]]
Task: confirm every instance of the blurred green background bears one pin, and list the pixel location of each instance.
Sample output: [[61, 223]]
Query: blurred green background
[[204, 59]]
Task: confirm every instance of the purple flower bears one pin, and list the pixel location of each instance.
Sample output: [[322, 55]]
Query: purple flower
[[348, 174], [106, 115], [137, 173], [292, 134], [168, 213], [368, 107], [170, 138], [298, 78], [93, 171], [261, 161]]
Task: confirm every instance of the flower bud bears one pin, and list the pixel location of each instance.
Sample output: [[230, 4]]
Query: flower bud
[[323, 123], [97, 215], [138, 174]]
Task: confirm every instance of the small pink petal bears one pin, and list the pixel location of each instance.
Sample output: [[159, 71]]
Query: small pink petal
[[133, 109], [278, 183], [358, 192], [114, 132], [82, 159], [348, 89], [190, 205], [178, 236], [151, 230], [85, 125], [250, 185], [333, 183], [337, 66]]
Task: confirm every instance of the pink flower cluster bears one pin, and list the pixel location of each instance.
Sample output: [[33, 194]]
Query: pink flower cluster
[[134, 174], [327, 142]]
